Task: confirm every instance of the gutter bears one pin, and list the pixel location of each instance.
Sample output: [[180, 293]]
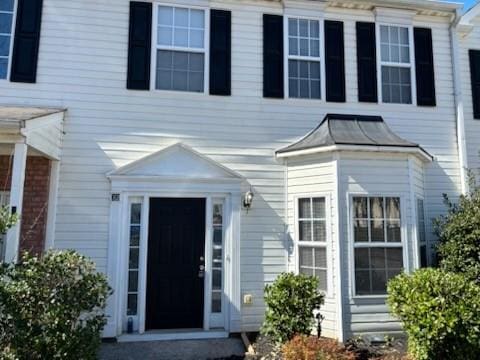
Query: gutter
[[459, 107]]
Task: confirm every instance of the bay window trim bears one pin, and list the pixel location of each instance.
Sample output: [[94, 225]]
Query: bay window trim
[[403, 244], [286, 55], [410, 65], [315, 244], [156, 47]]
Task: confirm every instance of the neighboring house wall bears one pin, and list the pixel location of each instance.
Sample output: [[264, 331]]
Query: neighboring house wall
[[472, 126], [35, 200], [82, 66]]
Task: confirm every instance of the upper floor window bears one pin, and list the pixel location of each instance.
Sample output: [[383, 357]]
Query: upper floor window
[[180, 49], [6, 26], [304, 58], [377, 242], [395, 64]]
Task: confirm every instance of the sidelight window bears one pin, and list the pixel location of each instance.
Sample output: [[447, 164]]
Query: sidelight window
[[217, 257], [133, 257]]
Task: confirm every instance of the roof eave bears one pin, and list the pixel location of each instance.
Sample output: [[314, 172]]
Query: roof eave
[[415, 150]]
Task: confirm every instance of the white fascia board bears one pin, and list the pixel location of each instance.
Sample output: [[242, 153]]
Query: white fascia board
[[425, 157]]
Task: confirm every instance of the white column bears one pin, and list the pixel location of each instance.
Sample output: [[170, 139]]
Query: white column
[[16, 200], [235, 292]]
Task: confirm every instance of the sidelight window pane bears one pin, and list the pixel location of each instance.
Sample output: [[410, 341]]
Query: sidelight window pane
[[133, 255], [217, 256]]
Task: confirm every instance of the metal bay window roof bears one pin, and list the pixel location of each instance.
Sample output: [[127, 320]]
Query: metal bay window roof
[[342, 132]]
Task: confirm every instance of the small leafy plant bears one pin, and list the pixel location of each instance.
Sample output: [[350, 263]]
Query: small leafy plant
[[440, 312], [51, 307], [291, 301], [459, 234], [7, 219]]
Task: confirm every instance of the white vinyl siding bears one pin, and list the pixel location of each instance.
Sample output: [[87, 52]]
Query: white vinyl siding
[[6, 31], [395, 64], [180, 49], [304, 58]]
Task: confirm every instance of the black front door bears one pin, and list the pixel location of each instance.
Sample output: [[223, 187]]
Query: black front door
[[176, 249]]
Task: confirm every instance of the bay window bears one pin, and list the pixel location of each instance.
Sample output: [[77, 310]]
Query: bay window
[[377, 240], [312, 238], [395, 64], [180, 49]]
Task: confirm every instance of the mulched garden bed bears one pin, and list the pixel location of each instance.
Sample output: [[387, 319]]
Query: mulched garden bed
[[394, 349]]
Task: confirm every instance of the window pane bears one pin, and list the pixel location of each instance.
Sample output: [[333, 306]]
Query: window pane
[[305, 256], [423, 256], [320, 257], [405, 54], [164, 80], [196, 39], [180, 61], [403, 36], [377, 258], [216, 302], [196, 62], [3, 70], [314, 29], [5, 23], [304, 47], [394, 258], [164, 36], [315, 89], [393, 231], [305, 230], [322, 278], [384, 34], [164, 59], [197, 19], [376, 208], [165, 15], [377, 230], [315, 48], [304, 211], [133, 281], [362, 282], [135, 213], [4, 45], [379, 282], [217, 236], [392, 273], [314, 70], [293, 88], [385, 51], [318, 208], [394, 39], [360, 231], [180, 37], [304, 89], [304, 69], [293, 46], [293, 68], [217, 214], [134, 235], [181, 17], [180, 80], [216, 279], [360, 207], [132, 304], [293, 27], [303, 27], [306, 271], [362, 258], [393, 207], [133, 259], [319, 231]]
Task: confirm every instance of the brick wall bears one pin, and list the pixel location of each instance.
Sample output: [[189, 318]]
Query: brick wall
[[35, 200]]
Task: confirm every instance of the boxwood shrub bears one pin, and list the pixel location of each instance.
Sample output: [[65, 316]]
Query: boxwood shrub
[[440, 312], [51, 307], [291, 301]]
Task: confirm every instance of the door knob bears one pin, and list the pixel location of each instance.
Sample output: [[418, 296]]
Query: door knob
[[201, 271]]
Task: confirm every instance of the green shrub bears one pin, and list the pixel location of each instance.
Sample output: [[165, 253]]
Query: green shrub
[[290, 302], [440, 312], [459, 235], [51, 307]]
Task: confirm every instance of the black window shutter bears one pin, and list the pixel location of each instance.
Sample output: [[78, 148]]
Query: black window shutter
[[139, 46], [475, 77], [424, 67], [366, 62], [272, 56], [220, 52], [26, 41], [334, 61]]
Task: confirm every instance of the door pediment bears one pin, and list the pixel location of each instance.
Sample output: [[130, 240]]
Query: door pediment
[[175, 161]]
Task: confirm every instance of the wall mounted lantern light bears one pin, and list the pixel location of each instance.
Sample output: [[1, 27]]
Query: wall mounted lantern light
[[248, 200]]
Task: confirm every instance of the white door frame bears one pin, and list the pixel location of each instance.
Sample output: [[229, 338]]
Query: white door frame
[[122, 191]]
